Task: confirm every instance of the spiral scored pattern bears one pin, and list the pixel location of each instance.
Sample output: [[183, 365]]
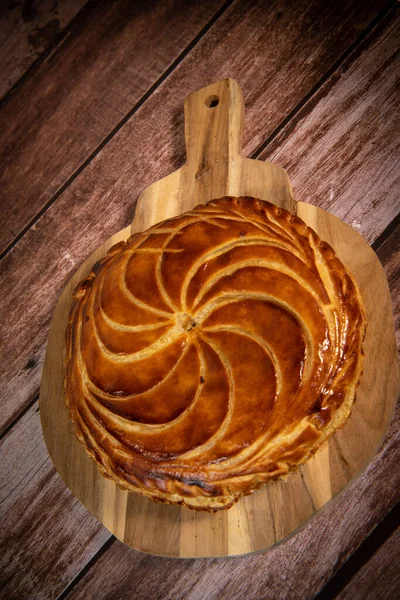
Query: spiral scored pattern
[[213, 352]]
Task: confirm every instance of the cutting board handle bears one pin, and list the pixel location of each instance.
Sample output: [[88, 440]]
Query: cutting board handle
[[214, 121], [215, 167]]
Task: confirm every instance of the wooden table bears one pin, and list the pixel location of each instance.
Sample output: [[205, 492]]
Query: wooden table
[[92, 113]]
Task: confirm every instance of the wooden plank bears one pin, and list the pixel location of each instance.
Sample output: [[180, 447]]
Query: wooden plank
[[297, 569], [27, 29], [83, 91], [339, 150], [379, 578], [100, 201], [389, 254], [47, 535]]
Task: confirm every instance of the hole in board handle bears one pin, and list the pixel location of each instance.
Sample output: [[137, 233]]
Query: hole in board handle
[[211, 101]]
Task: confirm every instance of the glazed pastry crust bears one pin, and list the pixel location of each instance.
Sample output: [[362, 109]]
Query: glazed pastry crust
[[212, 353]]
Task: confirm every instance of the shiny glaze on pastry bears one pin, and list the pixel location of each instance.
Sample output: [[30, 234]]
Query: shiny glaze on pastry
[[212, 353]]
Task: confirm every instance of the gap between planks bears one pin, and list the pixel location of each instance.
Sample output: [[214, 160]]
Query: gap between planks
[[386, 233], [51, 49], [105, 547], [8, 428], [329, 73], [362, 555], [118, 127]]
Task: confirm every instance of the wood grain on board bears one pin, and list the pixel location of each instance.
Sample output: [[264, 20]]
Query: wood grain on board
[[215, 168], [379, 578], [101, 199], [27, 29], [120, 49], [82, 91]]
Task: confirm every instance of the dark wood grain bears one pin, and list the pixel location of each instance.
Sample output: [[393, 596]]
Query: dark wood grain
[[340, 150], [46, 534], [121, 48], [82, 91], [101, 199], [27, 29], [389, 254], [380, 577], [364, 553]]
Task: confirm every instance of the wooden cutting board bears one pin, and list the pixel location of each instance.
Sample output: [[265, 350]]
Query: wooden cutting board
[[214, 118]]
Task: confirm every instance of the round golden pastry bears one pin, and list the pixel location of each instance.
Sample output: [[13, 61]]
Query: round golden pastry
[[212, 353]]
